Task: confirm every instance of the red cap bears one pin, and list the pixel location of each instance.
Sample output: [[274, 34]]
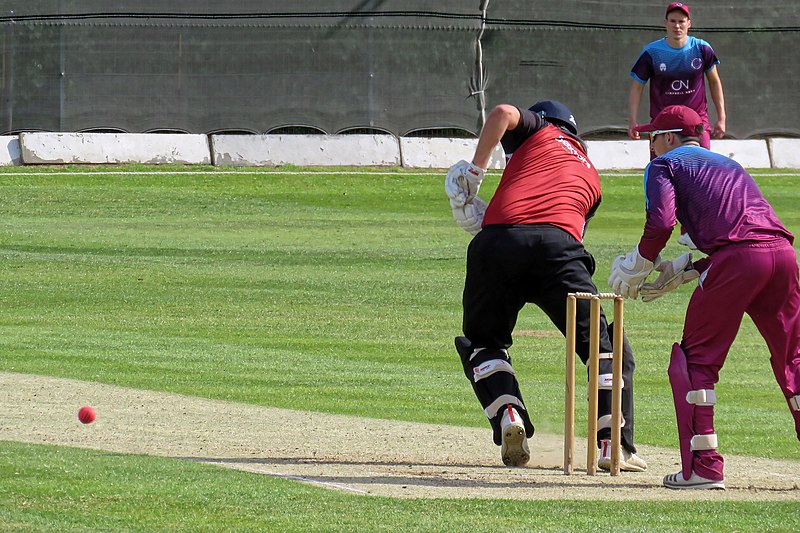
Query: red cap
[[679, 6], [676, 117]]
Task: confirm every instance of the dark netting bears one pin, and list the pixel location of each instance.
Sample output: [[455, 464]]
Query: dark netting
[[582, 53], [397, 66]]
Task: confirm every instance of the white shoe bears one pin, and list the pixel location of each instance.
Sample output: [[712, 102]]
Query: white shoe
[[514, 448], [676, 481], [628, 462]]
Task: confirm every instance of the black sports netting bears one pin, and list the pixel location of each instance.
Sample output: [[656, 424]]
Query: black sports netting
[[397, 66]]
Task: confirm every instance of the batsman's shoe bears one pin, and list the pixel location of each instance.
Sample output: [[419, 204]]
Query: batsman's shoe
[[628, 462], [676, 481], [514, 448]]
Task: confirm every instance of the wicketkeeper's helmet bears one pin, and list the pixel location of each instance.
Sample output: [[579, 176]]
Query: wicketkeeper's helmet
[[555, 111]]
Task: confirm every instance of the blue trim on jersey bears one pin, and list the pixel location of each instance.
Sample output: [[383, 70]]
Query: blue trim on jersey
[[655, 48], [690, 155], [662, 44], [646, 176]]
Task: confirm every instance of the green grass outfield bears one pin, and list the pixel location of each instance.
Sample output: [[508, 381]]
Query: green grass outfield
[[336, 292]]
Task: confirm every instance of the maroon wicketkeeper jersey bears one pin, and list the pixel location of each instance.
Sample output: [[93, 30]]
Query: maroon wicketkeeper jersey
[[715, 200]]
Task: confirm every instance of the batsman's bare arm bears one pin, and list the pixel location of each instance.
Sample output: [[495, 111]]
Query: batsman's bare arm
[[501, 119], [715, 89]]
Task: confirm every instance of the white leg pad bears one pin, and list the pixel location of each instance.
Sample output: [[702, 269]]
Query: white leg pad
[[605, 422], [490, 367], [795, 402], [479, 350], [606, 381], [702, 397], [501, 402], [704, 442]]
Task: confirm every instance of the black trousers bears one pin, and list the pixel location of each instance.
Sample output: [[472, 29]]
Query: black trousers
[[509, 266]]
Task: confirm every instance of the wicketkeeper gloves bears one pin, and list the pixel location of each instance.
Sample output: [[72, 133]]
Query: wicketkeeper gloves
[[628, 272], [672, 275]]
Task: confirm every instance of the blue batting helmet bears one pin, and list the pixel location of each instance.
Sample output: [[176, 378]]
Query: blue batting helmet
[[555, 111]]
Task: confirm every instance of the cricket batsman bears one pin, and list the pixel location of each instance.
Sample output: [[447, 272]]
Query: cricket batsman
[[528, 248]]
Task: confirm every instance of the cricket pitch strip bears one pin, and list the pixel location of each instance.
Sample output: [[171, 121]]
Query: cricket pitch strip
[[347, 453]]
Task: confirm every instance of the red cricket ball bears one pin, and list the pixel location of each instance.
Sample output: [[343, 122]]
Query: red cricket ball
[[86, 414]]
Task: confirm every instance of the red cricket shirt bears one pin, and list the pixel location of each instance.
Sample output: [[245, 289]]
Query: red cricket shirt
[[548, 180]]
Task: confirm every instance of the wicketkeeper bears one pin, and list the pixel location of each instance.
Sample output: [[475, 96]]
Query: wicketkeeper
[[750, 268], [528, 249]]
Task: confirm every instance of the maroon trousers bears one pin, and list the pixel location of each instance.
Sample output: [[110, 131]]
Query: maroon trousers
[[760, 279]]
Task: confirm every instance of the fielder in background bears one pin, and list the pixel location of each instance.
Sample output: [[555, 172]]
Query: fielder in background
[[750, 268], [675, 66], [528, 249]]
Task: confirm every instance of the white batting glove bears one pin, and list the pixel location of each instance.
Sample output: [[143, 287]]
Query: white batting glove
[[685, 240], [672, 275], [462, 182], [628, 272], [470, 216]]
